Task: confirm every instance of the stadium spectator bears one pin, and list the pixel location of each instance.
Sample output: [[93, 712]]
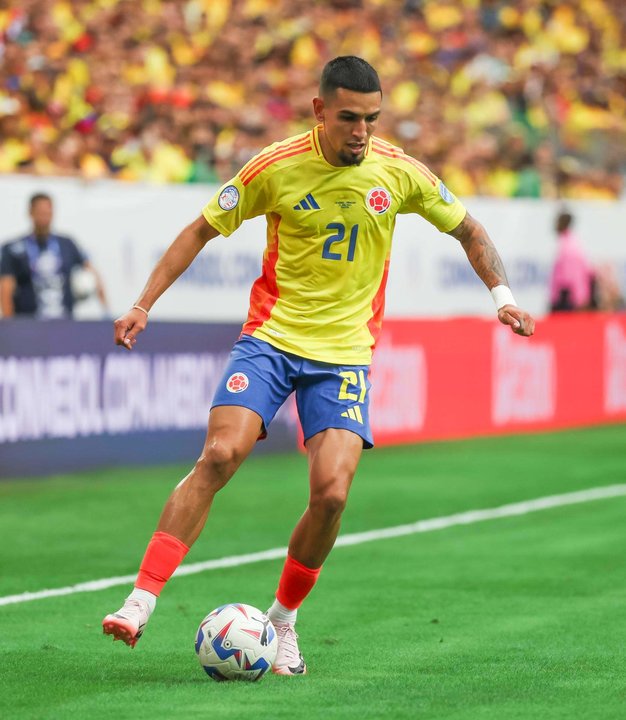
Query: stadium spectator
[[572, 279], [529, 94], [44, 274], [331, 196]]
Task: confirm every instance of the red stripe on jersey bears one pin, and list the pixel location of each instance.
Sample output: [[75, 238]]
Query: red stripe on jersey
[[387, 147], [281, 156], [284, 156], [375, 323], [264, 293], [383, 143], [407, 158], [317, 150], [272, 158], [398, 152], [421, 167], [252, 164]]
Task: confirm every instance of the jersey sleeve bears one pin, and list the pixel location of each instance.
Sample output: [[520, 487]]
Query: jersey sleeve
[[77, 255], [431, 199], [7, 265], [235, 202]]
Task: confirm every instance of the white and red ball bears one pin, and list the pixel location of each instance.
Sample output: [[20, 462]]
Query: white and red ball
[[236, 642]]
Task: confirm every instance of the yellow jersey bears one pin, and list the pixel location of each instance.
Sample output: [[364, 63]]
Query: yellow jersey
[[321, 293]]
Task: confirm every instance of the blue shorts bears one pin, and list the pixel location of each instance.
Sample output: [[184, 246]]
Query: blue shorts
[[260, 377]]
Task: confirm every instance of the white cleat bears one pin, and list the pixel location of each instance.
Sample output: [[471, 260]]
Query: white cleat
[[289, 660], [128, 623]]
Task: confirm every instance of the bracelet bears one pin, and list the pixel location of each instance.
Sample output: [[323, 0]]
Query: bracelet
[[502, 295], [143, 310]]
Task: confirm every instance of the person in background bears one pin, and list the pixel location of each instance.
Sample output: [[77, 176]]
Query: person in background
[[572, 278], [38, 272]]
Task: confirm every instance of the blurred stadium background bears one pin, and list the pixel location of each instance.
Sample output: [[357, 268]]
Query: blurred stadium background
[[130, 113], [505, 99]]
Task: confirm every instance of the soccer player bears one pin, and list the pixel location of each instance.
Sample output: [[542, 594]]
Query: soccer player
[[330, 197]]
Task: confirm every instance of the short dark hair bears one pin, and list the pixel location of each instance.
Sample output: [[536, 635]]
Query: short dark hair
[[564, 221], [351, 73], [37, 197]]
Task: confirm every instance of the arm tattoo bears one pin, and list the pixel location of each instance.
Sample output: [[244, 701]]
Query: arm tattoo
[[480, 251]]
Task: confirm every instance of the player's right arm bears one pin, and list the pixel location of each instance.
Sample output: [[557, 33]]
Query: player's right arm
[[176, 259]]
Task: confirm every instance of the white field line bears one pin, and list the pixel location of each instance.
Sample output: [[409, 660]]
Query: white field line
[[421, 526]]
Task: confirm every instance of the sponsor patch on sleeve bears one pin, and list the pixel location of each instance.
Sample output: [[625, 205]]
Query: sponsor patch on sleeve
[[446, 195], [229, 198]]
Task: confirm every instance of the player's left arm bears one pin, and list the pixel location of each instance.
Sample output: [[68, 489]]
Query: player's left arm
[[487, 264]]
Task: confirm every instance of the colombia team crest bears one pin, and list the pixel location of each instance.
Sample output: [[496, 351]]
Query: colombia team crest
[[237, 382], [378, 200]]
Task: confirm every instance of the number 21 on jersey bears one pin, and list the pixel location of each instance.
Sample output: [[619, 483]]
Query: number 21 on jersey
[[339, 235]]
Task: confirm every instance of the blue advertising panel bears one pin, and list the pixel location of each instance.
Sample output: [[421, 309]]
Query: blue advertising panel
[[71, 400]]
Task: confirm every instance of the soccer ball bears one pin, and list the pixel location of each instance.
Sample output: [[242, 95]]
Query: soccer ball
[[82, 284], [236, 642]]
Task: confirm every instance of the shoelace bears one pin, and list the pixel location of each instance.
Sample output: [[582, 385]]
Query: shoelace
[[130, 608], [289, 637]]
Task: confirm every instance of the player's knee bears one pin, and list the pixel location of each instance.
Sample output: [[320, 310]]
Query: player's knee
[[330, 504], [219, 460]]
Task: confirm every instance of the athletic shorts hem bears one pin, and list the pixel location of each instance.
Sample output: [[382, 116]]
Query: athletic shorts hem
[[368, 442], [264, 422]]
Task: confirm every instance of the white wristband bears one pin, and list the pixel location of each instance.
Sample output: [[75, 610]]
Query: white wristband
[[502, 295], [143, 310]]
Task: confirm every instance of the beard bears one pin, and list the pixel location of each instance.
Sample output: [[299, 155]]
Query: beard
[[350, 159]]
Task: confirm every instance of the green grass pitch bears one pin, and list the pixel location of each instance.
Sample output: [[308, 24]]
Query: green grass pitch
[[515, 618]]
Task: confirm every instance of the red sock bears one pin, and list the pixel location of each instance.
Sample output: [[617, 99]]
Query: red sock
[[163, 555], [296, 582]]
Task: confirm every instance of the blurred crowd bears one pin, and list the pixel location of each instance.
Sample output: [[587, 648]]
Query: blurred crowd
[[523, 98]]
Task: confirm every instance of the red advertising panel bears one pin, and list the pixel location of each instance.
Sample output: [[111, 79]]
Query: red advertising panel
[[436, 379]]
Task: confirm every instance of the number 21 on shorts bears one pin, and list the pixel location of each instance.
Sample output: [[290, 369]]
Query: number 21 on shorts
[[351, 379]]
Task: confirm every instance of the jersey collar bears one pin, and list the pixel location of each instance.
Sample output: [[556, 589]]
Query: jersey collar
[[317, 145]]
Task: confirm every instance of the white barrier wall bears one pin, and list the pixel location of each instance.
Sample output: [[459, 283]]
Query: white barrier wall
[[126, 227]]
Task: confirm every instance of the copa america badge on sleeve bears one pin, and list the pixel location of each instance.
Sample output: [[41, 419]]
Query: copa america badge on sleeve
[[229, 198]]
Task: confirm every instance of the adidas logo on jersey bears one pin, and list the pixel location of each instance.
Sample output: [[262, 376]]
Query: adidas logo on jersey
[[354, 413], [308, 203]]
